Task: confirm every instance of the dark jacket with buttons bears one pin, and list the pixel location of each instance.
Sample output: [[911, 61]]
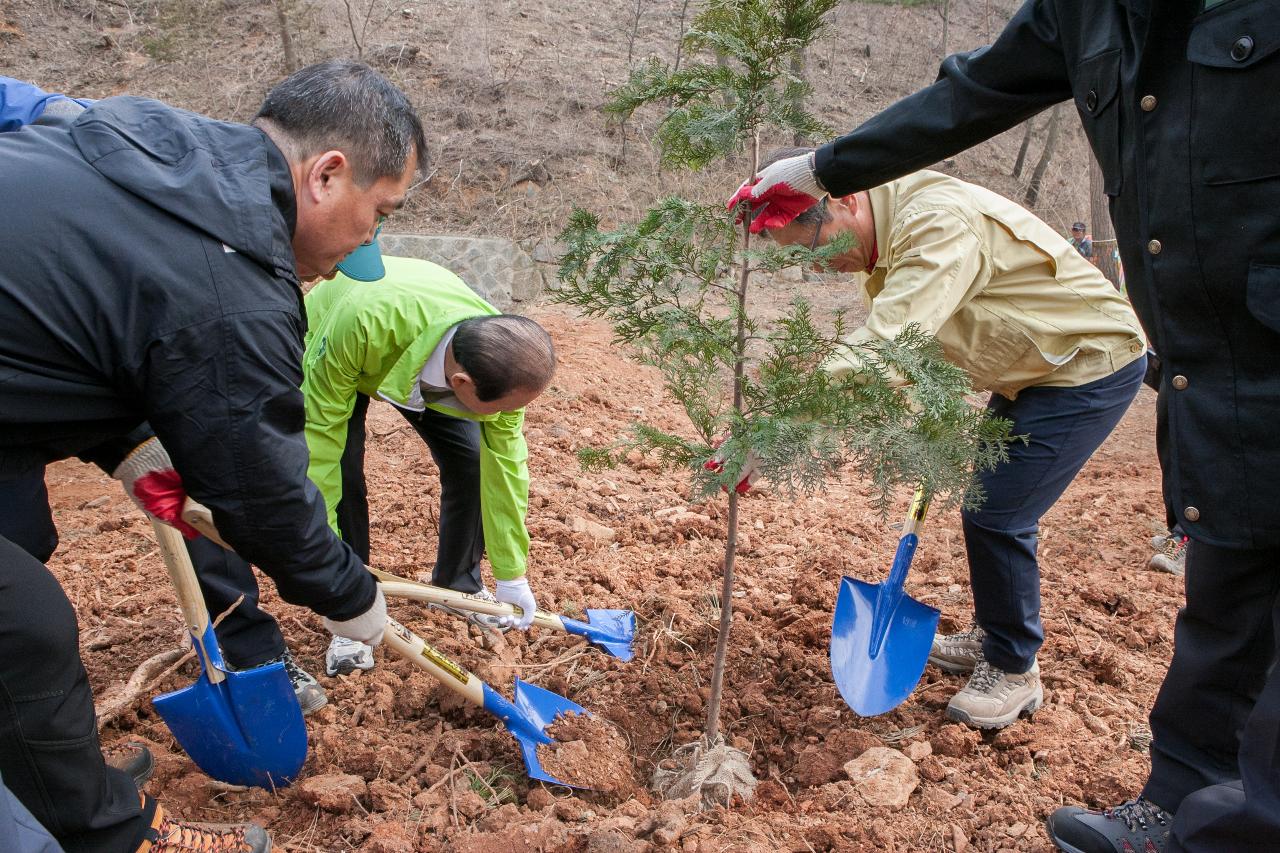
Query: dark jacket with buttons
[[147, 273], [1182, 108]]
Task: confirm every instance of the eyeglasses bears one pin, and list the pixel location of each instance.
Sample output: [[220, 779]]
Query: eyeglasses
[[822, 218]]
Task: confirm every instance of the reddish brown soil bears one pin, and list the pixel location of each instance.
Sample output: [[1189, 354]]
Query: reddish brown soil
[[591, 753], [1108, 625]]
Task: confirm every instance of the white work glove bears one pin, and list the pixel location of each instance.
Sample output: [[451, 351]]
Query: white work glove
[[366, 628], [517, 592], [780, 193]]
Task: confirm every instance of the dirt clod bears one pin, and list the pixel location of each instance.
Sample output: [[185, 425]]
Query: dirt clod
[[589, 752]]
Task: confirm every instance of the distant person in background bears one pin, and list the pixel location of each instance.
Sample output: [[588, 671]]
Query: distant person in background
[[1081, 241]]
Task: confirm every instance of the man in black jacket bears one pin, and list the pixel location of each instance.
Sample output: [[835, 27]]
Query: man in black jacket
[[1178, 101], [149, 268]]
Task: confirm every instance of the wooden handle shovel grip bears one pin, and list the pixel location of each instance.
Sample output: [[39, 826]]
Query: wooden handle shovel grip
[[183, 575]]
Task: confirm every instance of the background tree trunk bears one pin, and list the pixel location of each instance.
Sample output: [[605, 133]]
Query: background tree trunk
[[286, 39], [1104, 235], [1050, 143], [1021, 160]]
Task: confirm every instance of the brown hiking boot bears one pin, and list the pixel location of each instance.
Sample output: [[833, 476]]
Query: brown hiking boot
[[169, 835], [133, 758], [957, 653]]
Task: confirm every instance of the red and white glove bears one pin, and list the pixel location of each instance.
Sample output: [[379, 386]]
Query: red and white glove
[[154, 486], [517, 592], [780, 193], [746, 477]]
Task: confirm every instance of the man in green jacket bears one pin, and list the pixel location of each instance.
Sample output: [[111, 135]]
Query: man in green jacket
[[414, 335]]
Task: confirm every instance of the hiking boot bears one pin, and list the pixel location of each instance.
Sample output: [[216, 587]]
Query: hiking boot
[[169, 835], [1171, 557], [994, 698], [346, 656], [1138, 826], [484, 620], [311, 696], [957, 653], [133, 758]]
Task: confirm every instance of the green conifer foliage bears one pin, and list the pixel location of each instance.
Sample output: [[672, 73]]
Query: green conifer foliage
[[674, 288]]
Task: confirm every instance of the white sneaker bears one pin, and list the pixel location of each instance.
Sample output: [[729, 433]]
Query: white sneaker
[[484, 620], [345, 656]]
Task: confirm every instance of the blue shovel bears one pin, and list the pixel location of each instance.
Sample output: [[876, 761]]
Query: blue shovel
[[527, 717], [245, 727], [611, 631], [880, 636]]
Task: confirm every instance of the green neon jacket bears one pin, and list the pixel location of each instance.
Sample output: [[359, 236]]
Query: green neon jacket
[[374, 338]]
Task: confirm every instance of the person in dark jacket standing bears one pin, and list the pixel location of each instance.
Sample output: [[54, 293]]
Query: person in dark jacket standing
[[149, 271], [1178, 101]]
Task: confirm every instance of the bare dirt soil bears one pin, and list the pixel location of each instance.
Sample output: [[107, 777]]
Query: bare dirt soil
[[399, 764]]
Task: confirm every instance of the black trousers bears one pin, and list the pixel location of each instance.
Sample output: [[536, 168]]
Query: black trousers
[[49, 752], [1215, 756], [249, 636]]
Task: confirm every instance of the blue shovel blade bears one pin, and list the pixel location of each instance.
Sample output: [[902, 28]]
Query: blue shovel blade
[[247, 730], [527, 719], [879, 645], [612, 631]]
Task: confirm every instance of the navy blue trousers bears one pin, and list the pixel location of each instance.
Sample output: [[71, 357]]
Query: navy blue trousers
[[1064, 427], [1215, 753]]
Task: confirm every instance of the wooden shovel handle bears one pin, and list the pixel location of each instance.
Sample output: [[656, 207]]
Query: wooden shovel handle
[[183, 575], [398, 587], [421, 654], [199, 516]]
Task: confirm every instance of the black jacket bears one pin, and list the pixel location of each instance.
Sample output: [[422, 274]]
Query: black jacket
[[147, 273], [1182, 109]]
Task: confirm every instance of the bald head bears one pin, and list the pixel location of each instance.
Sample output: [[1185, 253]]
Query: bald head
[[503, 354]]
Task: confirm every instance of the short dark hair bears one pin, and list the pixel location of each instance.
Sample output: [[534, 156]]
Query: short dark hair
[[347, 106], [818, 213], [503, 353]]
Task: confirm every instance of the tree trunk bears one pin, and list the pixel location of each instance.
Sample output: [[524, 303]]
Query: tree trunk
[[635, 29], [1104, 235], [1022, 149], [731, 539], [684, 10], [286, 39], [1050, 143], [946, 23], [798, 63]]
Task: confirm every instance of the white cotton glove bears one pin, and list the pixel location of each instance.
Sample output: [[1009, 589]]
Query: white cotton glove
[[780, 192], [366, 628], [517, 592]]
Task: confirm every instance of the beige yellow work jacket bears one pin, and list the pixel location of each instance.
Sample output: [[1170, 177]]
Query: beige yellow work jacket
[[1011, 302]]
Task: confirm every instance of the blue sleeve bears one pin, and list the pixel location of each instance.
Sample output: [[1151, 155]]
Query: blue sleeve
[[21, 103]]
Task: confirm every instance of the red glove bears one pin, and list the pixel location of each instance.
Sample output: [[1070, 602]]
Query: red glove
[[154, 486], [746, 477], [780, 193]]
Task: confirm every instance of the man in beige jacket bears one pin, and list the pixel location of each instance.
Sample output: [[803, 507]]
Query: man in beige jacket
[[1032, 322]]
